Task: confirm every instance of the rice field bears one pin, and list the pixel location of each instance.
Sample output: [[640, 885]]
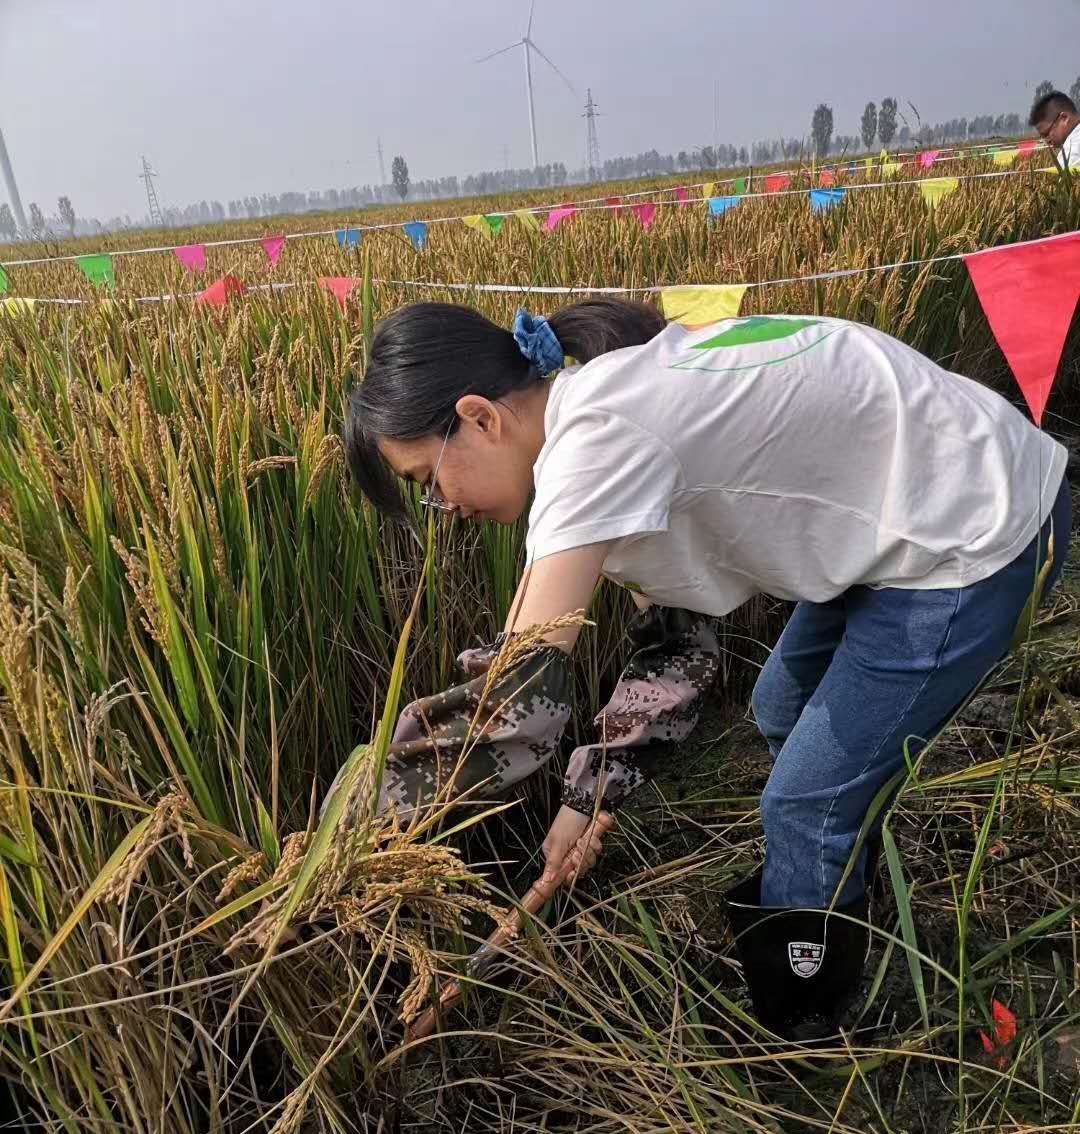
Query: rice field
[[200, 623]]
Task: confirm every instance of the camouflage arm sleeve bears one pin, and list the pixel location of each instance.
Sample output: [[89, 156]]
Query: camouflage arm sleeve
[[655, 701], [519, 719]]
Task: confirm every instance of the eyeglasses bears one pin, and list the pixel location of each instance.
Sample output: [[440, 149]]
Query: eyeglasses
[[429, 498], [1043, 128]]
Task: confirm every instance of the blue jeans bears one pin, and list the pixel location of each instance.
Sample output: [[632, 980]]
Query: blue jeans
[[852, 679]]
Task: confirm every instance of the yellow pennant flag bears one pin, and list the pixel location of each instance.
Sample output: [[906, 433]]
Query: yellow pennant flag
[[707, 189], [890, 168], [934, 189], [1005, 157], [479, 222], [699, 306], [1048, 169], [869, 167], [529, 220], [16, 304]]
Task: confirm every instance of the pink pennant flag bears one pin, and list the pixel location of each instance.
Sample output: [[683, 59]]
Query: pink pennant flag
[[557, 216], [646, 214], [776, 182], [340, 286], [192, 256], [1029, 293], [826, 179], [928, 157], [272, 246], [1026, 148], [217, 294], [682, 194]]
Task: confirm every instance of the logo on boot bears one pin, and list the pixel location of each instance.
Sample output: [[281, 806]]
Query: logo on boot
[[805, 957]]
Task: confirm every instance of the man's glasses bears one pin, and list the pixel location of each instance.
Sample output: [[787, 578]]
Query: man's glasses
[[430, 497], [1043, 129]]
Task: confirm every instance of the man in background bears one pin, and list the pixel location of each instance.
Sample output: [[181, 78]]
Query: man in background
[[1055, 119]]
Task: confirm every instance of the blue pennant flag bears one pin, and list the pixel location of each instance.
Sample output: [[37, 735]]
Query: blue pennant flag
[[821, 199], [417, 232], [718, 205], [853, 167], [348, 237]]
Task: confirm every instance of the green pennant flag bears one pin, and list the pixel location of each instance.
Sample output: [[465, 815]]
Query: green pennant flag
[[98, 269], [740, 185], [494, 223], [3, 280]]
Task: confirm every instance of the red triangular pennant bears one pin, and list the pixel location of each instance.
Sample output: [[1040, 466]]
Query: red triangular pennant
[[682, 194], [777, 182], [1004, 1033], [615, 203], [340, 286], [1029, 293], [826, 178], [217, 294]]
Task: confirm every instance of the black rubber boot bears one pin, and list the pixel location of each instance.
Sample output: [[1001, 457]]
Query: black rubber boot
[[803, 967]]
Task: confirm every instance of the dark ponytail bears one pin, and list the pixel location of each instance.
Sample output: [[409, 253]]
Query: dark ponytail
[[596, 326], [427, 356]]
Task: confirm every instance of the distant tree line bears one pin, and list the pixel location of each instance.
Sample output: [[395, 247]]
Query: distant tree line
[[885, 124]]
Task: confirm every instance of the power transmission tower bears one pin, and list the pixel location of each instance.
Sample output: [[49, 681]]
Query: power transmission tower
[[592, 155], [382, 167], [147, 177]]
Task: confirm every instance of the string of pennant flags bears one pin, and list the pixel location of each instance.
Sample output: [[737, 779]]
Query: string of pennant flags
[[193, 256], [1028, 290], [99, 267]]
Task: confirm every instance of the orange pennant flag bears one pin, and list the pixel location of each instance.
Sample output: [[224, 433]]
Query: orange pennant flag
[[340, 286], [218, 293]]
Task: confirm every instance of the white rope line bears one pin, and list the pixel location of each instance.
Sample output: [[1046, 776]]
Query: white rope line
[[586, 289], [585, 205]]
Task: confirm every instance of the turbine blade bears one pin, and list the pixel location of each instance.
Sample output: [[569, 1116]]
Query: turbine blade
[[528, 29], [532, 44], [502, 50]]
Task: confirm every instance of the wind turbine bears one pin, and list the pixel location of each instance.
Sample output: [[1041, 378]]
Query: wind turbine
[[527, 44]]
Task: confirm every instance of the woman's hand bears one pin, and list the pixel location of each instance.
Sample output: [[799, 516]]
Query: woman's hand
[[576, 835]]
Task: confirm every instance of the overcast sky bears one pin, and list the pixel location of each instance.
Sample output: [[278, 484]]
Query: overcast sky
[[229, 98]]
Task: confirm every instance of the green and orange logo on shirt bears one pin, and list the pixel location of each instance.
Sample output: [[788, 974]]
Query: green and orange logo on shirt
[[754, 331]]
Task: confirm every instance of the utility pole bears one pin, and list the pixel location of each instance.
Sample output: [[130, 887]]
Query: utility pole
[[382, 166], [12, 188], [716, 123], [592, 155], [147, 176]]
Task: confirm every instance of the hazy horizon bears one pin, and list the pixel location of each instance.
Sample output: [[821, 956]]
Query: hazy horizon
[[232, 99]]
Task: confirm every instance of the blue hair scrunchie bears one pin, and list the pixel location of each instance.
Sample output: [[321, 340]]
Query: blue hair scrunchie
[[538, 342]]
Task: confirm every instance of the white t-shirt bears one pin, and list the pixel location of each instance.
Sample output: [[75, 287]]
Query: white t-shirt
[[796, 456], [1068, 157]]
